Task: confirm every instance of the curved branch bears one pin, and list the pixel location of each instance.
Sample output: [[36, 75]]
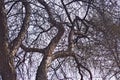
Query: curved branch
[[84, 22], [88, 7], [21, 35], [80, 65], [52, 45], [64, 54], [48, 9]]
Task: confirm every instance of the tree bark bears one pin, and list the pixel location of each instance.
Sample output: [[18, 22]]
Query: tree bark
[[7, 67], [42, 70], [7, 70]]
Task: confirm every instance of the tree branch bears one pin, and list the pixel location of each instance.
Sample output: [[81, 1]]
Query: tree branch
[[52, 45], [61, 54], [64, 54], [67, 13], [21, 35], [80, 65], [27, 49]]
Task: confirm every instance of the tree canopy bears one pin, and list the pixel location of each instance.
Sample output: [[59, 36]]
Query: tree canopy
[[59, 39]]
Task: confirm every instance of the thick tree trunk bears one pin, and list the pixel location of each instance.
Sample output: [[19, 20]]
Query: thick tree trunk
[[7, 68], [42, 70]]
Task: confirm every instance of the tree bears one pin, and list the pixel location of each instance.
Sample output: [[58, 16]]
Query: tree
[[8, 50], [60, 33], [106, 40]]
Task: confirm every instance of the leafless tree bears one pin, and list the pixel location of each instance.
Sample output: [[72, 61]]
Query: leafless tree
[[58, 39]]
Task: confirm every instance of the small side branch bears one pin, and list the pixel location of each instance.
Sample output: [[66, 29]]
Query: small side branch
[[80, 65], [28, 49]]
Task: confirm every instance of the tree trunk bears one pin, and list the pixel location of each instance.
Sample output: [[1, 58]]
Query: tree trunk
[[42, 70], [7, 68]]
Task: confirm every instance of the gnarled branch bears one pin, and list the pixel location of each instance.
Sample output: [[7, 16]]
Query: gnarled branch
[[15, 44]]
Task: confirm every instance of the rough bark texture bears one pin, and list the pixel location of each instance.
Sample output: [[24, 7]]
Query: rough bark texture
[[41, 71], [7, 69], [47, 59], [21, 35]]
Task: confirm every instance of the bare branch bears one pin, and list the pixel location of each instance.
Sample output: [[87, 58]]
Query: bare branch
[[28, 49], [52, 45], [61, 54], [64, 54], [67, 13], [12, 7], [18, 40], [80, 65]]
